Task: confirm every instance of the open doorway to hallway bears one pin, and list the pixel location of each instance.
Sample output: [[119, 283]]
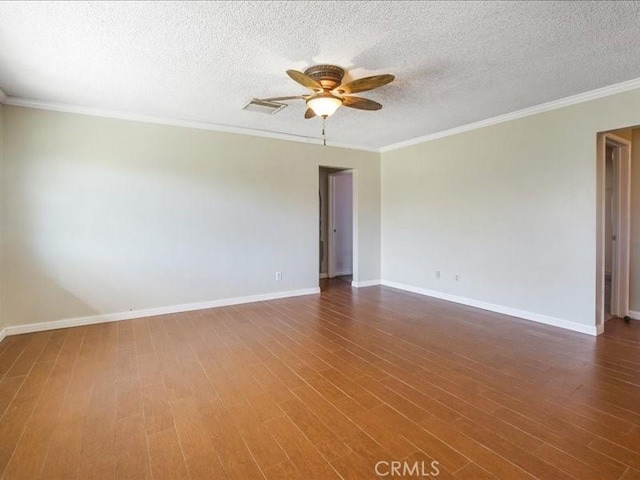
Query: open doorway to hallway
[[615, 269], [610, 221], [336, 223]]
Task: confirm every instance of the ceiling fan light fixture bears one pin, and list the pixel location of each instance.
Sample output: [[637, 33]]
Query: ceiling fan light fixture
[[324, 105]]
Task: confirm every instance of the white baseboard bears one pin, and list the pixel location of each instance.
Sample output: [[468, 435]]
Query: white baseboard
[[634, 315], [367, 283], [3, 333], [151, 312], [514, 312], [324, 275]]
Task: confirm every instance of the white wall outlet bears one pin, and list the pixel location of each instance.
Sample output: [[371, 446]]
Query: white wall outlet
[[278, 275], [438, 274], [457, 277]]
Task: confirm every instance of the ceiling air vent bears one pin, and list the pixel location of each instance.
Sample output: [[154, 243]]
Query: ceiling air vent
[[264, 106]]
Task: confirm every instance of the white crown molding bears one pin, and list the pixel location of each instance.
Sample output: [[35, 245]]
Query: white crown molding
[[105, 113], [151, 312], [492, 307], [526, 112], [366, 283], [507, 117]]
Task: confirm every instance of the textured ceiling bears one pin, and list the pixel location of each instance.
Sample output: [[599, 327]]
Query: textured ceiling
[[455, 62]]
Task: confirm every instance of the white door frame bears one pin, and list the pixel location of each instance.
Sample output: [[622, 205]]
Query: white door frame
[[331, 269], [622, 232]]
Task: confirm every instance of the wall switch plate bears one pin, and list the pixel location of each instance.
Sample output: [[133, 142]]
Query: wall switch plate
[[438, 274], [278, 275]]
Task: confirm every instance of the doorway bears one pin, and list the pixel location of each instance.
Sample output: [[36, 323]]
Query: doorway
[[336, 223], [614, 193], [340, 251], [610, 220]]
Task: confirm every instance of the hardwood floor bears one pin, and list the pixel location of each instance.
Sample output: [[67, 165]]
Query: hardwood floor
[[322, 387]]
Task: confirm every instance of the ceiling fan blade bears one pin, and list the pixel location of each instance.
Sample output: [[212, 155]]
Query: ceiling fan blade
[[361, 103], [309, 113], [363, 84], [280, 99], [305, 80]]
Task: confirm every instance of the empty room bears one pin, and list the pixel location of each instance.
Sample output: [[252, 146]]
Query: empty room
[[320, 240]]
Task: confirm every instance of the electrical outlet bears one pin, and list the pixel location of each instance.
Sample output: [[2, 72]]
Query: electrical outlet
[[278, 275], [457, 277], [438, 274]]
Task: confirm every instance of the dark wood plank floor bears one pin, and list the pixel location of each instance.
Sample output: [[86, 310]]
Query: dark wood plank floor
[[322, 387]]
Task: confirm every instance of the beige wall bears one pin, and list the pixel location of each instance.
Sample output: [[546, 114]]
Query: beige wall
[[103, 215], [108, 215], [511, 208]]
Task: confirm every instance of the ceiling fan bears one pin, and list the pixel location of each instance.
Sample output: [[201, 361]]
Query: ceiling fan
[[329, 93]]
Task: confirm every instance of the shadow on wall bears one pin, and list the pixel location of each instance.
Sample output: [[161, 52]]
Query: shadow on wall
[[93, 239], [32, 291], [108, 216]]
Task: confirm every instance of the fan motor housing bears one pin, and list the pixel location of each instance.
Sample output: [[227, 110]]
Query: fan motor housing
[[329, 76]]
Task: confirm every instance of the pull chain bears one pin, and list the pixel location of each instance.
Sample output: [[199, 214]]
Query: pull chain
[[324, 137]]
